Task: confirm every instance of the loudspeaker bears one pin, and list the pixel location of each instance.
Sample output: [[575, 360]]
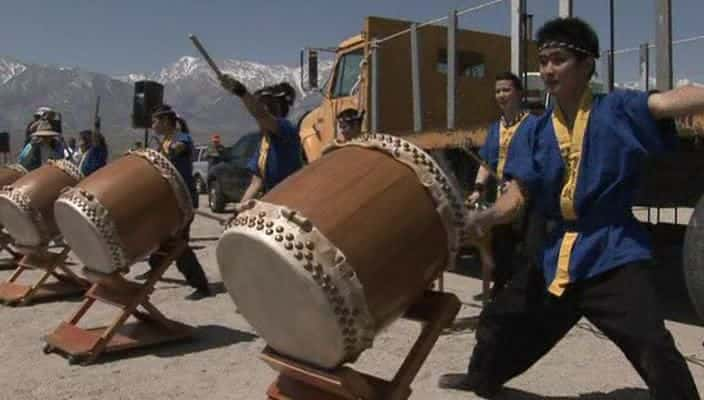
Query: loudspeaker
[[148, 95], [4, 142]]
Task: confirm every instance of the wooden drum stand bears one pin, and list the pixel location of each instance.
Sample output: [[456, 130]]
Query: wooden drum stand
[[6, 243], [297, 381], [53, 264], [151, 327]]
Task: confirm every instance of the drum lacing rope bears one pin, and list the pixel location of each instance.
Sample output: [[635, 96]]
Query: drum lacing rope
[[173, 177]]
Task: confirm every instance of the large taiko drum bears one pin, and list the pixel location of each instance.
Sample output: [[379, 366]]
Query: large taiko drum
[[11, 173], [124, 211], [342, 248], [8, 175], [27, 205]]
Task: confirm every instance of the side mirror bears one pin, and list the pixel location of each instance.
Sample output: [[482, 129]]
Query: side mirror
[[313, 69], [312, 60]]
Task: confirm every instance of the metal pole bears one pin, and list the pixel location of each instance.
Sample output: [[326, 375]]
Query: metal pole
[[608, 60], [375, 86], [612, 79], [415, 80], [524, 53], [451, 68], [565, 8], [518, 8], [663, 44], [146, 138], [644, 67]]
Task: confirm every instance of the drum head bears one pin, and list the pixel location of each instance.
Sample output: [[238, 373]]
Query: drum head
[[83, 237], [19, 223], [279, 299]]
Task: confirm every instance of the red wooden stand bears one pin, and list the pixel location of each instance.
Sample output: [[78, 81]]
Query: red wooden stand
[[6, 242], [67, 283], [298, 381], [151, 327]]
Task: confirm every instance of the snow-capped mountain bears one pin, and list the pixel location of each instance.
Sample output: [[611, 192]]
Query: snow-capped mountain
[[189, 85], [10, 68], [254, 75]]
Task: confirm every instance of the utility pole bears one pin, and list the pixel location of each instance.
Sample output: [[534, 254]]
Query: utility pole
[[663, 44], [612, 78], [518, 10], [565, 8]]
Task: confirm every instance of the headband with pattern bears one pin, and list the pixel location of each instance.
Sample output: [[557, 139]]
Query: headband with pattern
[[163, 113], [565, 45]]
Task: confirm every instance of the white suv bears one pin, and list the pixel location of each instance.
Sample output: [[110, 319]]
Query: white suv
[[200, 168]]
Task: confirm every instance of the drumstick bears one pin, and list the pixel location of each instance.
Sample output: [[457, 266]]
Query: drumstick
[[481, 163], [205, 55], [486, 260]]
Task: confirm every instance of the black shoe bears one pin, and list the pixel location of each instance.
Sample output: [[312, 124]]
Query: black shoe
[[144, 276], [467, 383], [199, 294]]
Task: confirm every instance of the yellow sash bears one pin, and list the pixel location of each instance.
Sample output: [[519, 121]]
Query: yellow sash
[[570, 144], [505, 137], [263, 153]]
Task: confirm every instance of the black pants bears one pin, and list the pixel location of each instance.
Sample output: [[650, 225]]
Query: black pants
[[187, 263], [505, 247], [524, 322]]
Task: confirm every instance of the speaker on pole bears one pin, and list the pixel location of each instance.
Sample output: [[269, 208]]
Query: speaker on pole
[[148, 95]]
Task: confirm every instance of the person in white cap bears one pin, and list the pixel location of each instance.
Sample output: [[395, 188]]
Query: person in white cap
[[45, 144], [42, 112]]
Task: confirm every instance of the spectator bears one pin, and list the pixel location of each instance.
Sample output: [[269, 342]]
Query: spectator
[[93, 150]]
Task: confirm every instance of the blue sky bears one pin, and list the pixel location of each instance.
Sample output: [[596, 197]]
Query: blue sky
[[120, 36]]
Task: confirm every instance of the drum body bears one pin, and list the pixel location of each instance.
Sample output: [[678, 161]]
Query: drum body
[[8, 175], [340, 249], [124, 211], [11, 173], [27, 205]]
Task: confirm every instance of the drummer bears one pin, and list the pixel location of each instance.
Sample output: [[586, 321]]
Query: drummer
[[279, 152], [581, 165], [349, 124], [177, 146], [45, 145], [508, 94]]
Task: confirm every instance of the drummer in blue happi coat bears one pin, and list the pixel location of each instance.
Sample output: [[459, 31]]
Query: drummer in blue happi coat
[[580, 166]]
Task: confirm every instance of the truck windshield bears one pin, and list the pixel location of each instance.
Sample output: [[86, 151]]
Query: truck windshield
[[347, 73]]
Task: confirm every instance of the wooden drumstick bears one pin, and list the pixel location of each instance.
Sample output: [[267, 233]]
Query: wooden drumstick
[[479, 161], [205, 55], [488, 265]]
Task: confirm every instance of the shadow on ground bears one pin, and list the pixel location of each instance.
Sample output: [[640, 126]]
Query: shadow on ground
[[620, 394], [205, 337]]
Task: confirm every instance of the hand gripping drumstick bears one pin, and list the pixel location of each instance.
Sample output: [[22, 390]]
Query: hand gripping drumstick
[[486, 258], [205, 55]]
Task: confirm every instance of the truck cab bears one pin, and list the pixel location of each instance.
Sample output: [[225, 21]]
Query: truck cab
[[318, 128]]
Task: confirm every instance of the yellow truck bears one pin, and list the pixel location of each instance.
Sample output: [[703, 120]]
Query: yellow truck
[[479, 57]]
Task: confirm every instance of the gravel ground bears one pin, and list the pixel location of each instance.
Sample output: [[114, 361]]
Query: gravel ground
[[222, 363]]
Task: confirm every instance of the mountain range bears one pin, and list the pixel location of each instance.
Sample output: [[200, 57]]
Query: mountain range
[[190, 87]]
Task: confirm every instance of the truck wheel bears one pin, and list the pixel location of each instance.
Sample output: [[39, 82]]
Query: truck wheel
[[693, 258], [216, 197]]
